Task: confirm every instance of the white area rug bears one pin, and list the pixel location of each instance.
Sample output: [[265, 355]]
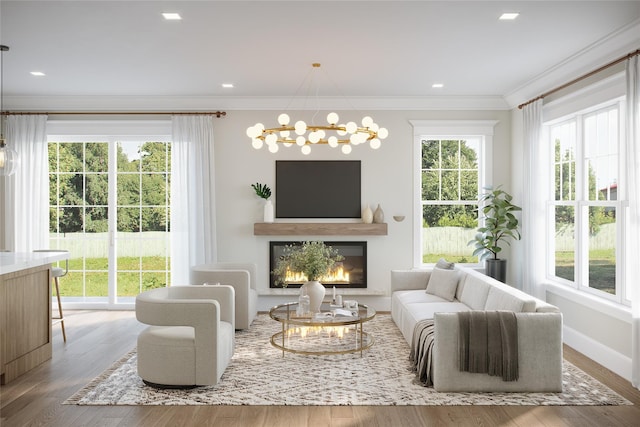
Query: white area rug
[[259, 375]]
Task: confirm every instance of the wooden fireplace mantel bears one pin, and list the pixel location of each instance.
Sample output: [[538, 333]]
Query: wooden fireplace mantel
[[319, 229]]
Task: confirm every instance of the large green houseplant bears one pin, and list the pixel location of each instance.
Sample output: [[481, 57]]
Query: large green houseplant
[[500, 225], [314, 259]]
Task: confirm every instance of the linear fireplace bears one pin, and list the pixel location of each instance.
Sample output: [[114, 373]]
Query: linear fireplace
[[351, 272]]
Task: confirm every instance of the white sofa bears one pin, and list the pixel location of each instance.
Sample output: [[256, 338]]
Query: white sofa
[[539, 329]]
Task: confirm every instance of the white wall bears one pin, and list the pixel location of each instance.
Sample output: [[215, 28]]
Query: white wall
[[387, 179]]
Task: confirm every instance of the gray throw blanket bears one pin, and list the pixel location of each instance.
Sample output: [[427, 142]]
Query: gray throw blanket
[[421, 349], [488, 343]]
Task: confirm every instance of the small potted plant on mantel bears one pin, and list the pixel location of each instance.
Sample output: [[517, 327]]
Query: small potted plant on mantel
[[313, 259], [500, 225], [264, 192]]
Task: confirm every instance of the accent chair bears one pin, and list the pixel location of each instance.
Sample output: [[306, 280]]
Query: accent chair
[[191, 339], [242, 276]]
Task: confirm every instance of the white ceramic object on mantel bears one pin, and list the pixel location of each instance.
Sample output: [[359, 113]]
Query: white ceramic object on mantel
[[378, 215], [367, 215], [315, 290], [268, 211]]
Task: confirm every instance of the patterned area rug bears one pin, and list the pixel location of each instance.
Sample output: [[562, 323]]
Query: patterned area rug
[[259, 375]]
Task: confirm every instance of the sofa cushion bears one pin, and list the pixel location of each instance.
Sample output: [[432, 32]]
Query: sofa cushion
[[408, 297], [414, 312], [444, 264], [501, 299], [475, 291], [443, 283]]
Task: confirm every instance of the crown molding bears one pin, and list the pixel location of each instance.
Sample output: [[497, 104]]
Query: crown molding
[[610, 48], [200, 103]]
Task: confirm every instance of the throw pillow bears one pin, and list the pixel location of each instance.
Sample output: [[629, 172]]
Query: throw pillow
[[443, 283], [444, 264]]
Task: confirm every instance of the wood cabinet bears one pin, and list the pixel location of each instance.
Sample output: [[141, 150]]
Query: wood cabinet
[[25, 321]]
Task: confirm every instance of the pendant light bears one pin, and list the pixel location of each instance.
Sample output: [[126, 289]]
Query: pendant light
[[8, 156]]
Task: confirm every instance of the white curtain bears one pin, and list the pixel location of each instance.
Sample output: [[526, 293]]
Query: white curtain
[[193, 210], [27, 191], [632, 151], [533, 205]]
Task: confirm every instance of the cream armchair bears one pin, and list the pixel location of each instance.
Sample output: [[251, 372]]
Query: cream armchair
[[191, 339], [241, 276]]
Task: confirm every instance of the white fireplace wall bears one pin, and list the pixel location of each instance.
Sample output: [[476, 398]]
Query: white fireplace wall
[[387, 179]]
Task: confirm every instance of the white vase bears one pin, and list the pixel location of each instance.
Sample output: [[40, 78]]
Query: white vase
[[315, 290], [367, 215], [268, 211]]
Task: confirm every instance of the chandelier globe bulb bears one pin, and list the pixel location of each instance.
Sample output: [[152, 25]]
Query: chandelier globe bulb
[[351, 127], [300, 127], [257, 143], [283, 119], [271, 139]]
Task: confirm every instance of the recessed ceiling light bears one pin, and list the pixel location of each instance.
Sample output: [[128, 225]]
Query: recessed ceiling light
[[38, 73], [171, 16], [437, 85], [227, 85], [509, 16]]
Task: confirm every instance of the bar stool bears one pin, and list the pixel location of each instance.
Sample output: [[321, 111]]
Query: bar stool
[[56, 273]]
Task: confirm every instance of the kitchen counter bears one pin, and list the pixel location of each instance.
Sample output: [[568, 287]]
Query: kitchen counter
[[11, 262], [25, 311]]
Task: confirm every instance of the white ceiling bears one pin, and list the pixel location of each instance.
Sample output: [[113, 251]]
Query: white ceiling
[[368, 49]]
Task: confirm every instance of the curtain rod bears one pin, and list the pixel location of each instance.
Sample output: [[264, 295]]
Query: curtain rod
[[576, 80], [218, 114]]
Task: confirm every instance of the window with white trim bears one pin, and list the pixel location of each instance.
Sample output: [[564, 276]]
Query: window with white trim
[[450, 188], [586, 212], [452, 161]]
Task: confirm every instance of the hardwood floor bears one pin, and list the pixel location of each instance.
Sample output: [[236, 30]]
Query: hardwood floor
[[97, 338]]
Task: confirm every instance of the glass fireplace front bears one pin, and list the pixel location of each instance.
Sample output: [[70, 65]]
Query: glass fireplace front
[[351, 272]]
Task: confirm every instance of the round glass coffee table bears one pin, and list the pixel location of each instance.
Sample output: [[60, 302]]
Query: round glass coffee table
[[331, 331]]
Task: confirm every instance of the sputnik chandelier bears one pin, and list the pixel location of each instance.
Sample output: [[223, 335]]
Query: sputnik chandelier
[[8, 156], [305, 135]]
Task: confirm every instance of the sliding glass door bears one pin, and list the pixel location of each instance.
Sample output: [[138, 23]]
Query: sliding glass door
[[109, 206]]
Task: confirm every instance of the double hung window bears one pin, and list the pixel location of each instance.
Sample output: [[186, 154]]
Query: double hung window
[[451, 164], [585, 205]]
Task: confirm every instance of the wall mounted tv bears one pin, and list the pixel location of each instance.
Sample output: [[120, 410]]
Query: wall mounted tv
[[318, 189]]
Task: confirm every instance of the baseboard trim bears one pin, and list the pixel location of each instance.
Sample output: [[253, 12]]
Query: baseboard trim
[[610, 359]]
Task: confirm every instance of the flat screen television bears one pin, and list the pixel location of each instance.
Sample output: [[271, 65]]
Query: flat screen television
[[318, 189]]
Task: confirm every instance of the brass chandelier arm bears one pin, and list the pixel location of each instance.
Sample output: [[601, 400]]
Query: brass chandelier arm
[[314, 128]]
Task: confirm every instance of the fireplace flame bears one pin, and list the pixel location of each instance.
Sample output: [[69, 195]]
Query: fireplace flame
[[336, 275]]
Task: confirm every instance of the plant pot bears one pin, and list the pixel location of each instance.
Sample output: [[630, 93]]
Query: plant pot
[[315, 290], [497, 268]]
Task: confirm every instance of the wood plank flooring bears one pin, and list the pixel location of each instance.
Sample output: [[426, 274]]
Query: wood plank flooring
[[95, 339]]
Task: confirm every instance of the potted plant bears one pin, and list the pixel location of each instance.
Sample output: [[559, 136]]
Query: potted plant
[[314, 260], [500, 225], [264, 192]]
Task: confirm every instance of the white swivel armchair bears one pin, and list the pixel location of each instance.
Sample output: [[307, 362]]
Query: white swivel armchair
[[241, 276], [192, 337]]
